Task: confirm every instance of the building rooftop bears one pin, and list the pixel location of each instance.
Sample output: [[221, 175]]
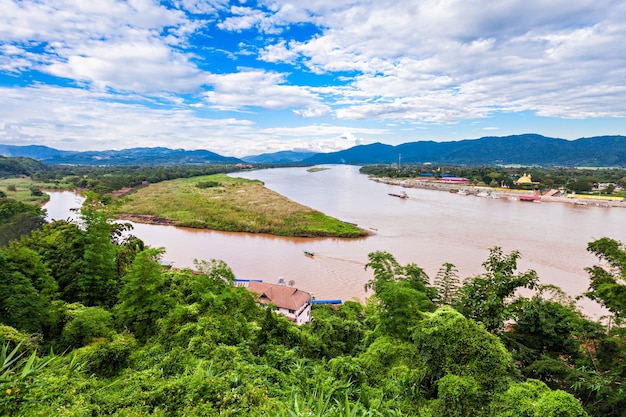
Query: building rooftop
[[279, 295]]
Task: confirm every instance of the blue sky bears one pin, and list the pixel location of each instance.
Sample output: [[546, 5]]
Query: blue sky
[[247, 77]]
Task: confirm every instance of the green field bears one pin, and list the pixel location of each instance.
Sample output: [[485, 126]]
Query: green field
[[23, 186], [231, 204]]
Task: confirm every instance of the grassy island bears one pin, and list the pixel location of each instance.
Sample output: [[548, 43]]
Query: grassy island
[[220, 202], [317, 169]]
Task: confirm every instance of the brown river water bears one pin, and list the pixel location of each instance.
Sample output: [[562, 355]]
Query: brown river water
[[429, 228]]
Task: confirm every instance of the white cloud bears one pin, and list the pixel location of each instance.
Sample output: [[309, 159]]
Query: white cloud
[[278, 52], [201, 6], [243, 18], [402, 62], [72, 118], [255, 88], [110, 44], [142, 66], [433, 60]]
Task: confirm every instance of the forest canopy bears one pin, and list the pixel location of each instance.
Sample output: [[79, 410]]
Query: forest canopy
[[134, 338], [92, 324]]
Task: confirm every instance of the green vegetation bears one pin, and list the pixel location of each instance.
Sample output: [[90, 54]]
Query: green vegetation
[[104, 180], [20, 166], [579, 180], [134, 339], [24, 189], [231, 204], [316, 169], [18, 218]]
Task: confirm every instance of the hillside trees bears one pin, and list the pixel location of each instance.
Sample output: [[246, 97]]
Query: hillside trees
[[85, 260], [601, 380], [608, 282], [22, 306], [18, 218], [141, 298], [190, 343], [489, 298], [403, 293], [100, 283], [447, 284]]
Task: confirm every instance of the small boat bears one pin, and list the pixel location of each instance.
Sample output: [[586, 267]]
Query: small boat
[[530, 198], [309, 253], [536, 196], [401, 195]]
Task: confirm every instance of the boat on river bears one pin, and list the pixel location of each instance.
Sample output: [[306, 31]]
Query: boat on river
[[401, 195], [309, 253], [533, 197]]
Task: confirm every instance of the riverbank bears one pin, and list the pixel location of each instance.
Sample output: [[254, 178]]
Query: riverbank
[[223, 203], [511, 194]]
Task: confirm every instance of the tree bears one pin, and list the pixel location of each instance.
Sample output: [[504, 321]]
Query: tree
[[99, 283], [36, 191], [86, 324], [61, 245], [385, 267], [610, 189], [580, 185], [449, 343], [608, 281], [489, 297], [459, 396], [32, 266], [447, 283], [402, 292], [546, 340], [21, 306], [18, 218], [533, 398], [216, 270], [141, 299]]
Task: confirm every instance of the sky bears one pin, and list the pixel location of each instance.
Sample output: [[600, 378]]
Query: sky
[[245, 77]]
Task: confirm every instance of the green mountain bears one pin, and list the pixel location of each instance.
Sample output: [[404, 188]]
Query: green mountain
[[527, 149], [133, 156]]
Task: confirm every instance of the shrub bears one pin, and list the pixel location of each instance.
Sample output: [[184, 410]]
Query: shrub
[[207, 184]]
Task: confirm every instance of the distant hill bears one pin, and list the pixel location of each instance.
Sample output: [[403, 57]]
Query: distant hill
[[282, 157], [133, 156], [527, 149], [11, 167], [37, 152]]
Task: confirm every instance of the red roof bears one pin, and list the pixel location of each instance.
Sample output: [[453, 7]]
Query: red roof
[[280, 295]]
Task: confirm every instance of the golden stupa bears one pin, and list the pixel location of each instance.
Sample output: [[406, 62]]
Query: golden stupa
[[524, 179]]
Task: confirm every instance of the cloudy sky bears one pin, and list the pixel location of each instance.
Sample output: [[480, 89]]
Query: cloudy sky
[[247, 77]]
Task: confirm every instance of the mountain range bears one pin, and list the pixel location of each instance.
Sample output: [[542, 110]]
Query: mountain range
[[132, 156], [525, 149]]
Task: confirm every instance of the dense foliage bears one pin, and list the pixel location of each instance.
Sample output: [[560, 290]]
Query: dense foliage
[[106, 179], [11, 167], [18, 218], [134, 339]]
